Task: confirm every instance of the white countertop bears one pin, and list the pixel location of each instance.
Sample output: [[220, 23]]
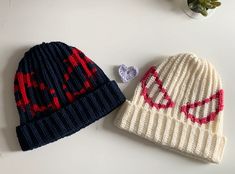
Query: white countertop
[[112, 32]]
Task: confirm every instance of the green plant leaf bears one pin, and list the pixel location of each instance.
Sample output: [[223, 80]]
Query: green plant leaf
[[216, 4], [204, 12], [209, 6], [201, 6]]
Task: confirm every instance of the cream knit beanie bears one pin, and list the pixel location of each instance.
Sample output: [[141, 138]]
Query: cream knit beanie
[[179, 105]]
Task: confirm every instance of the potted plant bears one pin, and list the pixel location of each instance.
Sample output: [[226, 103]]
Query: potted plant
[[198, 8]]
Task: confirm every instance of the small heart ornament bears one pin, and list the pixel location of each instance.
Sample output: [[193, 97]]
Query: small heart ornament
[[127, 73]]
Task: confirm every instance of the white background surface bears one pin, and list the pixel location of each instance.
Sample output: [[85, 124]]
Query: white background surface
[[111, 32]]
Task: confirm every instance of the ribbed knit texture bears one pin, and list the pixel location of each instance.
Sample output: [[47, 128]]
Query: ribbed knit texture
[[179, 105], [58, 91]]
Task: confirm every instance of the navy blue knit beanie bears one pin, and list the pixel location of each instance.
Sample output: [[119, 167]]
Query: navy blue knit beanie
[[58, 91]]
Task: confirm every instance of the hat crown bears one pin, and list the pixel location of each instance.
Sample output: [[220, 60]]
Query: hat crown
[[186, 86], [52, 75]]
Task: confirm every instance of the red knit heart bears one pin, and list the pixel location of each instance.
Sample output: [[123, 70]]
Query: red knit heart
[[165, 97], [218, 97]]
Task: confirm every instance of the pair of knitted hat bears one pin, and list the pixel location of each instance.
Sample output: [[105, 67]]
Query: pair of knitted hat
[[179, 105], [58, 91]]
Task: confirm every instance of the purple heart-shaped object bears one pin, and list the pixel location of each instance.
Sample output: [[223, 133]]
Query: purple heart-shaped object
[[127, 73]]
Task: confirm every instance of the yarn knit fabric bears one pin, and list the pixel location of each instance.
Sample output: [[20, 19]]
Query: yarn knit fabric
[[58, 91], [179, 105]]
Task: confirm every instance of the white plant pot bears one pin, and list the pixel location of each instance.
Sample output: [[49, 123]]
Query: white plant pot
[[193, 14]]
